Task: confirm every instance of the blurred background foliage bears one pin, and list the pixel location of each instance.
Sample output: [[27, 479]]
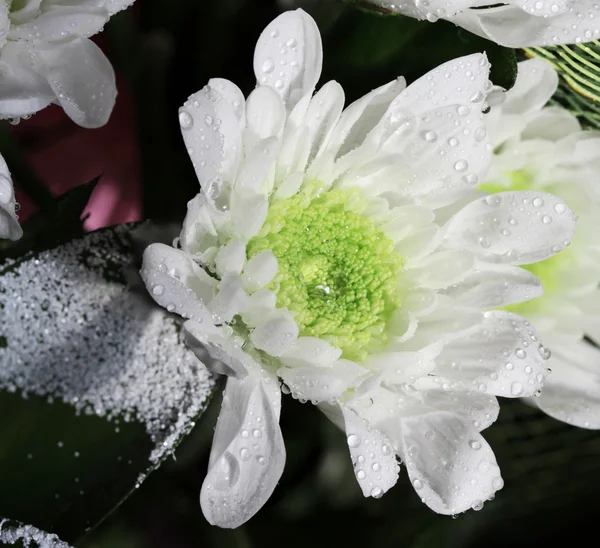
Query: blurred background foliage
[[165, 51]]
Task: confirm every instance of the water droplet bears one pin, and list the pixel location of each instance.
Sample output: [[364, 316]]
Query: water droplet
[[538, 202], [376, 467], [377, 492], [185, 120], [453, 141], [493, 200], [545, 353], [158, 290], [430, 136], [560, 208], [477, 505], [208, 120], [257, 433], [464, 110], [385, 449], [520, 353], [245, 454], [361, 475], [546, 219], [498, 483], [461, 165], [268, 66], [516, 388], [353, 440], [476, 445]]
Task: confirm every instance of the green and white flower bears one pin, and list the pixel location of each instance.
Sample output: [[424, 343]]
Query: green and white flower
[[46, 57], [543, 148], [512, 23], [9, 225], [336, 253]]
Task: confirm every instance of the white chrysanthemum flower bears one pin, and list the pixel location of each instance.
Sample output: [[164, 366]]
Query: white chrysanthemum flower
[[9, 225], [333, 250], [46, 57], [544, 149], [512, 23]]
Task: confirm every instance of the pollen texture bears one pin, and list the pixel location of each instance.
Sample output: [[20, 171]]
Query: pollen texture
[[337, 269]]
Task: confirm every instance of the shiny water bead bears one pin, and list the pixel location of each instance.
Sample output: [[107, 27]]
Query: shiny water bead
[[337, 269]]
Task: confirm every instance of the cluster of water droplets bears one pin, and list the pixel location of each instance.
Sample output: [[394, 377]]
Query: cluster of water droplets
[[28, 536], [72, 331]]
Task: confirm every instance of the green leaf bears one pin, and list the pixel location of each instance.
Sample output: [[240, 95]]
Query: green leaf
[[96, 385], [364, 49], [61, 223]]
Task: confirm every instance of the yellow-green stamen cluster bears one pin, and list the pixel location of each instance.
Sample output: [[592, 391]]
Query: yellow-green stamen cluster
[[548, 271], [337, 269]]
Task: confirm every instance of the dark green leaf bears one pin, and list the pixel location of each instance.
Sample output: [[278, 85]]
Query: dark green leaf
[[54, 226], [96, 387]]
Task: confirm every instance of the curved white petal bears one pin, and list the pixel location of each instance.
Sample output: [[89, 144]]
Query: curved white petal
[[9, 225], [479, 408], [572, 393], [81, 77], [231, 258], [257, 171], [535, 84], [512, 227], [211, 129], [248, 213], [512, 27], [461, 81], [4, 23], [265, 116], [260, 306], [310, 351], [58, 21], [230, 300], [443, 268], [503, 356], [289, 56], [316, 384], [450, 465], [259, 271], [199, 231], [372, 454], [177, 283], [114, 6], [552, 124], [248, 454], [277, 334], [495, 285], [227, 357]]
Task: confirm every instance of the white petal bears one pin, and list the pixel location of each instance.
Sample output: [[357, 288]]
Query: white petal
[[259, 271], [175, 282], [232, 95], [318, 385], [552, 123], [478, 408], [211, 129], [323, 114], [457, 82], [227, 357], [495, 285], [373, 457], [248, 213], [230, 300], [449, 154], [502, 356], [82, 79], [9, 225], [247, 456], [535, 85], [199, 231], [23, 91], [57, 21], [277, 334], [572, 393], [310, 351], [260, 306], [257, 173], [265, 116], [361, 117], [512, 227], [443, 268], [230, 258], [400, 367], [289, 56], [450, 465], [512, 27]]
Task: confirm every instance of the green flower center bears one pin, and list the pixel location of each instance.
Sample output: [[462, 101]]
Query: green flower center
[[548, 271], [337, 269]]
